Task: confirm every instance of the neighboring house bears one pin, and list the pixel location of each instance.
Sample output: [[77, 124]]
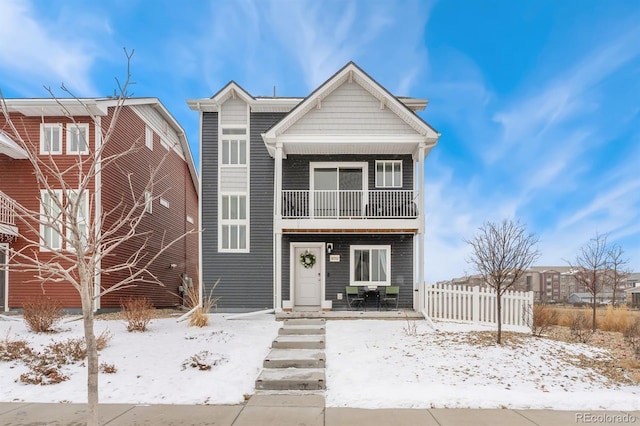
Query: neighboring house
[[334, 180], [171, 212], [603, 298], [633, 296]]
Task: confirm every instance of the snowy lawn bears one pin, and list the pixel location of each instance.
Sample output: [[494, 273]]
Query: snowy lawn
[[376, 364], [370, 364], [149, 365]]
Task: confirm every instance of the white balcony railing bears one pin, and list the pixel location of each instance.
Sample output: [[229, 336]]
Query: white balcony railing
[[7, 210], [349, 204]]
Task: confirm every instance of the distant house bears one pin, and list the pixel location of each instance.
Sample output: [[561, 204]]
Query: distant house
[[633, 296], [144, 122], [304, 196], [604, 298]]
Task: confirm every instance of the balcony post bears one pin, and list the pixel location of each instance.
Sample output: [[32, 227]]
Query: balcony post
[[421, 225], [277, 179]]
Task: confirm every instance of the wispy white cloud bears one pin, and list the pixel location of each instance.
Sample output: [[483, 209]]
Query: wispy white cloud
[[34, 47]]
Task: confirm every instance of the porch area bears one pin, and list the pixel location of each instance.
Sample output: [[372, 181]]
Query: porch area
[[400, 314], [8, 228]]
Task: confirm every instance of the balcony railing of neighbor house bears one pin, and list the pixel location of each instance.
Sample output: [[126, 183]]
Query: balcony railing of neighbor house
[[476, 304], [345, 204], [7, 210]]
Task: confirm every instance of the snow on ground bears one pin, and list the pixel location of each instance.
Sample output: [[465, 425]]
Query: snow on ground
[[376, 364], [150, 364], [370, 364]]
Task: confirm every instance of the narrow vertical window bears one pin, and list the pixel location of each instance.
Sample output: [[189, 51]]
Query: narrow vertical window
[[50, 220], [389, 173], [51, 138], [78, 208], [148, 137], [234, 147], [77, 138], [148, 202], [233, 222]]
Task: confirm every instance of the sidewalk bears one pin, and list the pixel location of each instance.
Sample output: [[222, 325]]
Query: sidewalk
[[294, 410]]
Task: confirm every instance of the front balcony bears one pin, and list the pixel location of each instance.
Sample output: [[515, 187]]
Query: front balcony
[[349, 210], [8, 228]]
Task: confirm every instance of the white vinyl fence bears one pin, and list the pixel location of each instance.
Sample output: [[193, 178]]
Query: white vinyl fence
[[477, 305]]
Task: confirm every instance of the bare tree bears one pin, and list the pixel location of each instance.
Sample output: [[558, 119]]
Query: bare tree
[[617, 271], [502, 252], [83, 241], [589, 268]]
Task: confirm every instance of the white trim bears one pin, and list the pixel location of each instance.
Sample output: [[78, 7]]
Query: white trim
[[233, 222], [97, 211], [292, 271], [277, 272], [5, 248], [369, 247], [337, 165], [44, 137], [87, 220], [71, 129], [200, 217], [190, 220], [165, 203]]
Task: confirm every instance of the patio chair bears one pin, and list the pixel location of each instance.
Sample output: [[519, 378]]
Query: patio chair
[[390, 298], [354, 299]]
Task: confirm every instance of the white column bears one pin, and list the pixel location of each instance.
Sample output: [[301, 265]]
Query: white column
[[420, 236], [277, 236]]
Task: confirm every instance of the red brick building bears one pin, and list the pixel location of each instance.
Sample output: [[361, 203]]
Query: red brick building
[[171, 211]]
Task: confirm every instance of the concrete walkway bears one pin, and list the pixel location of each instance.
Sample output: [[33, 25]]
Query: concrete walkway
[[297, 410]]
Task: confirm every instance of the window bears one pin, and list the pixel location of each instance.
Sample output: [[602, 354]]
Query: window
[[50, 220], [148, 137], [389, 174], [189, 219], [82, 215], [148, 202], [77, 138], [51, 138], [234, 146], [164, 203], [233, 224], [370, 265]]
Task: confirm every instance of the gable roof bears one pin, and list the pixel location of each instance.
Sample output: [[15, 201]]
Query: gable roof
[[353, 73]]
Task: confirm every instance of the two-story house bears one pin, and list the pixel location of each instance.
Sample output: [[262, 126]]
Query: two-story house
[[65, 133], [301, 197]]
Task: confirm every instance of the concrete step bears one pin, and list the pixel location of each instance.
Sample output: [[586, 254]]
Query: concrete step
[[305, 321], [301, 329], [298, 358], [291, 379], [299, 341]]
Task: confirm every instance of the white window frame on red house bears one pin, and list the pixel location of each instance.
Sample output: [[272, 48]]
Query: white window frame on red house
[[148, 137], [50, 228], [49, 141], [78, 134], [82, 216]]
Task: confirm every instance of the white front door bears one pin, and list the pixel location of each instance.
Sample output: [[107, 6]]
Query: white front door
[[307, 280]]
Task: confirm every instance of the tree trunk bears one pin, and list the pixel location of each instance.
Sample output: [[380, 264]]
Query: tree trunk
[[594, 313], [499, 310], [92, 356]]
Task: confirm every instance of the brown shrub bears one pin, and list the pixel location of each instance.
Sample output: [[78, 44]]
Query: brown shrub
[[199, 317], [11, 350], [581, 326], [108, 368], [543, 316], [138, 312], [41, 313]]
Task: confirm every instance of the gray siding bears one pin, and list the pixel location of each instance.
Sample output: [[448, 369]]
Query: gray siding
[[295, 169], [246, 279], [337, 273]]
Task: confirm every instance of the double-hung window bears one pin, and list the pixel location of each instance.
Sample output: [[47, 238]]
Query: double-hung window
[[234, 146], [50, 138], [77, 138], [78, 208], [148, 137], [233, 223], [389, 174], [370, 265], [51, 219]]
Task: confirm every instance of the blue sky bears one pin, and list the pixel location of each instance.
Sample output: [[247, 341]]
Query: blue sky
[[538, 102]]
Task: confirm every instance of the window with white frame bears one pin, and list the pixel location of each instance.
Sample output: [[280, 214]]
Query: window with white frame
[[164, 202], [148, 137], [77, 138], [370, 265], [50, 138], [234, 146], [80, 209], [148, 202], [389, 173], [233, 223], [50, 219]]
